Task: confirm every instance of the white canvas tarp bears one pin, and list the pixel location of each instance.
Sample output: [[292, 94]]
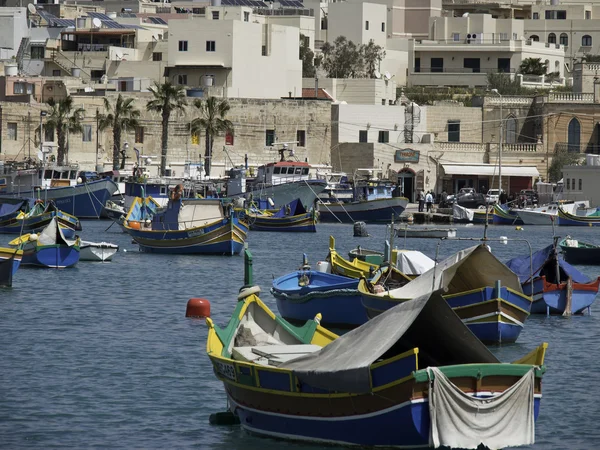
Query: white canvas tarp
[[413, 262], [461, 214], [461, 421], [198, 213]]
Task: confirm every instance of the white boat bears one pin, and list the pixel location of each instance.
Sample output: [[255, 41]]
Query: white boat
[[97, 251], [543, 215], [425, 232]]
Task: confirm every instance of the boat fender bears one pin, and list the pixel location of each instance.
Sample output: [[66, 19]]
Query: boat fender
[[33, 237], [519, 228], [248, 291]]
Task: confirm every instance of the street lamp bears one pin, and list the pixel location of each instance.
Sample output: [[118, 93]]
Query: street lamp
[[495, 91]]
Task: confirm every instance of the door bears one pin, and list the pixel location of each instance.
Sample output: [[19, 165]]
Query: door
[[406, 181], [473, 64]]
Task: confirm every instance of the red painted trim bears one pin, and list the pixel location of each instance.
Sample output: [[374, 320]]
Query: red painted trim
[[591, 286]]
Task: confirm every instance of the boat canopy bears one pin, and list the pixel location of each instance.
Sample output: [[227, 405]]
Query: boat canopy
[[413, 262], [9, 206], [293, 208], [543, 260], [53, 234]]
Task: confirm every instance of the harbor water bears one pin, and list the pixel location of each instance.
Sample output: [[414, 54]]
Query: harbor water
[[102, 355]]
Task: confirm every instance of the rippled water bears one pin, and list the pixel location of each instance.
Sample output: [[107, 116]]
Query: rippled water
[[102, 355]]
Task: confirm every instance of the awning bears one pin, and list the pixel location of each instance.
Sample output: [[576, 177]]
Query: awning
[[490, 170]]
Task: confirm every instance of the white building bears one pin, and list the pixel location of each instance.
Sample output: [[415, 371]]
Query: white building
[[235, 58], [358, 22], [358, 91], [13, 28], [461, 51]]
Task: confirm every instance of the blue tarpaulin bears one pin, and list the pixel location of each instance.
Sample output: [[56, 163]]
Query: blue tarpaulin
[[544, 264], [293, 208], [9, 206]]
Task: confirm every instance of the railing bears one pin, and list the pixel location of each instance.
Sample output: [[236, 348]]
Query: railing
[[61, 60], [461, 146], [458, 70], [579, 148], [531, 148], [285, 12], [507, 100], [92, 47], [560, 97]]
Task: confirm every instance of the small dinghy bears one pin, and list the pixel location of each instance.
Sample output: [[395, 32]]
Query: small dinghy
[[97, 251]]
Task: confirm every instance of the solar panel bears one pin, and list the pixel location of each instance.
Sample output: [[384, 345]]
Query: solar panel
[[62, 23], [48, 17], [98, 15], [157, 20], [127, 14]]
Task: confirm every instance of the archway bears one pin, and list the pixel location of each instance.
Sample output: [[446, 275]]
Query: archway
[[574, 136], [406, 183]]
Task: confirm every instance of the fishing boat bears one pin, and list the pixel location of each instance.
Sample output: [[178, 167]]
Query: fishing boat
[[292, 217], [481, 290], [481, 215], [502, 215], [38, 217], [50, 248], [10, 208], [556, 286], [352, 269], [377, 385], [545, 214], [198, 226], [10, 260], [566, 219], [303, 294], [97, 251], [369, 256], [73, 191], [425, 232], [577, 252]]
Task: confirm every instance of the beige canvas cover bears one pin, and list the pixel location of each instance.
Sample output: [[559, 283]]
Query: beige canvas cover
[[198, 213]]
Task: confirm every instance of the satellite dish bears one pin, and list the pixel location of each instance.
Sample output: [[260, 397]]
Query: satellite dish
[[148, 161], [97, 23], [387, 76], [466, 14], [31, 8], [377, 74]]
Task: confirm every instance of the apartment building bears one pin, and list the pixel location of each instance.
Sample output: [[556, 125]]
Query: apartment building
[[461, 51]]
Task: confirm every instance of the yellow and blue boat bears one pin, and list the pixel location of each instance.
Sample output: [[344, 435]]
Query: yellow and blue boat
[[502, 215], [35, 217], [352, 269], [193, 226], [292, 217], [482, 291], [566, 219], [10, 260], [378, 385]]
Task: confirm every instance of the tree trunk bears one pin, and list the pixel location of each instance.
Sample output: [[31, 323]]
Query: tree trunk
[[116, 146], [207, 153], [60, 157], [165, 142]]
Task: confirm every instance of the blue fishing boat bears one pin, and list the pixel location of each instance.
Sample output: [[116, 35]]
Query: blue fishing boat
[[556, 286], [10, 260], [50, 248], [481, 290], [292, 217], [200, 226], [502, 215], [10, 208], [303, 294], [566, 219], [38, 217], [382, 384]]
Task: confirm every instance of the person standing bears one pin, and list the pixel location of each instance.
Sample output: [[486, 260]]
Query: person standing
[[429, 201], [421, 199]]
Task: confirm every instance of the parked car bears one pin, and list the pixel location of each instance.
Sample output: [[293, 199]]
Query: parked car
[[493, 195], [466, 197]]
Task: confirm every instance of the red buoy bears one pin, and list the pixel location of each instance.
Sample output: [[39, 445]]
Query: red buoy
[[197, 307]]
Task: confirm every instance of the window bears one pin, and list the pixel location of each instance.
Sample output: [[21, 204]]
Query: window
[[215, 15], [586, 41], [210, 46], [383, 27], [306, 41], [551, 38], [86, 134], [19, 88], [264, 50], [182, 79], [12, 131], [37, 52], [564, 39], [454, 131], [472, 63], [324, 23], [363, 136], [556, 15], [504, 65], [536, 16], [417, 65], [588, 16], [580, 184], [503, 36], [156, 56], [573, 183], [56, 73], [366, 25], [229, 138], [269, 137], [183, 46], [301, 138], [246, 16], [139, 135], [568, 184], [456, 37], [437, 64], [48, 135], [534, 38], [510, 127], [574, 135], [384, 137], [515, 36]]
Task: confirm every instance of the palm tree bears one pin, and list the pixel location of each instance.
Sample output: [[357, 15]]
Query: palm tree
[[122, 117], [167, 99], [212, 121], [63, 117], [532, 66]]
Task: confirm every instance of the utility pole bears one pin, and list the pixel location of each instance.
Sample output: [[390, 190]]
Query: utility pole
[[97, 136], [29, 133]]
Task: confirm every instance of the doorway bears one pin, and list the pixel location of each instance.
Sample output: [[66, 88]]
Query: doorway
[[406, 182]]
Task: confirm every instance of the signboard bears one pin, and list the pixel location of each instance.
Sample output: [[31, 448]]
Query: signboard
[[406, 155]]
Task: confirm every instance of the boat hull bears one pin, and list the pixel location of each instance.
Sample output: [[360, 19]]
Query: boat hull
[[566, 219], [503, 217], [425, 233], [51, 256], [282, 194], [479, 217], [85, 201], [10, 260], [536, 217], [585, 256], [301, 223], [371, 211], [97, 252], [552, 299]]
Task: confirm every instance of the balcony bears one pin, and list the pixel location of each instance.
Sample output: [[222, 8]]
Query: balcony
[[450, 76], [459, 70], [581, 148], [569, 97]]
